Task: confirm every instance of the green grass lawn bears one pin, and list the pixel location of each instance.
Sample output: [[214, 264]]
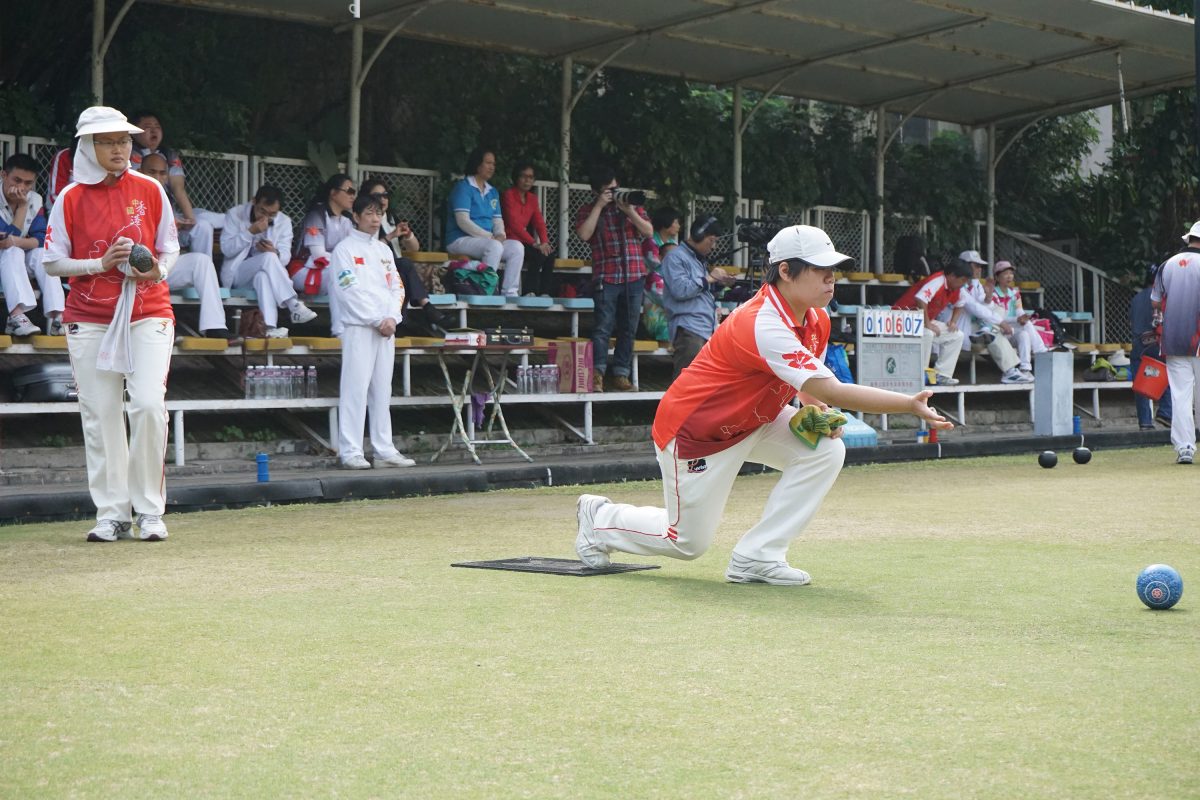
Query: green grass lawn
[[971, 631]]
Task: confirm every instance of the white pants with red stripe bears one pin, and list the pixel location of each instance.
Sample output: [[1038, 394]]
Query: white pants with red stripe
[[197, 270], [368, 360], [1183, 372], [696, 491], [125, 474]]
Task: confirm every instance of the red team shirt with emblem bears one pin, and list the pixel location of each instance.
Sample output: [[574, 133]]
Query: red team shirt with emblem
[[87, 218], [750, 369]]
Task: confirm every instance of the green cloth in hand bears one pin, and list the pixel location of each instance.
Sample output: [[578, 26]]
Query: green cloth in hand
[[810, 423]]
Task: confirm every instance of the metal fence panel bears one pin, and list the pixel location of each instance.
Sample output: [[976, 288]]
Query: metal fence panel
[[216, 181], [847, 229], [42, 151], [296, 178], [714, 206], [8, 145], [411, 193]]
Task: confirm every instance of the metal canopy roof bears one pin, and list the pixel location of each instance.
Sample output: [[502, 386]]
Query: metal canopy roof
[[972, 62]]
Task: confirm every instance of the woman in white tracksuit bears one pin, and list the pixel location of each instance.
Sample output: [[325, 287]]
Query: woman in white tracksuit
[[324, 225], [362, 276]]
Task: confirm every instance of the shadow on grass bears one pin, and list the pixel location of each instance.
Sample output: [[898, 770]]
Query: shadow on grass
[[815, 598]]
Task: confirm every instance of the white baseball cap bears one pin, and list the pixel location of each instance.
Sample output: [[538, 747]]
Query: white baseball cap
[[806, 243], [972, 257], [102, 119], [1195, 231]]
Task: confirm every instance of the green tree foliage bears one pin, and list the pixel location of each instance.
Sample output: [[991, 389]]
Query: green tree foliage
[[943, 180]]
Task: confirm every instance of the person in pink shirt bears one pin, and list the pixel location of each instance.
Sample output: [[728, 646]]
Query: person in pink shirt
[[524, 222]]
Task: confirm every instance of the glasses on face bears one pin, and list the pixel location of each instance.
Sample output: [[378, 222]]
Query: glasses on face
[[379, 195], [349, 190], [114, 144], [526, 176]]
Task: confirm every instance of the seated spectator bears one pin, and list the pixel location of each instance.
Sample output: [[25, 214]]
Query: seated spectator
[[62, 170], [1016, 324], [187, 218], [475, 225], [370, 296], [22, 240], [981, 319], [194, 268], [934, 295], [687, 296], [523, 221], [399, 236], [325, 224], [195, 238], [1145, 343], [255, 240]]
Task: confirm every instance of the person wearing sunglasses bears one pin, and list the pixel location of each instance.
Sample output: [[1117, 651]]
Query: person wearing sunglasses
[[326, 224], [687, 291]]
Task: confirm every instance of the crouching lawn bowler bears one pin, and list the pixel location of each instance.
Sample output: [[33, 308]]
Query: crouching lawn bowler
[[733, 404], [370, 296]]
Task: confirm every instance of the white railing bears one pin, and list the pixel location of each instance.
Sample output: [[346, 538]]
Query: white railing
[[42, 151], [8, 146]]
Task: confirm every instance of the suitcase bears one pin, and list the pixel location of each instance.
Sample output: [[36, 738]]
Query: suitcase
[[509, 336], [44, 383]]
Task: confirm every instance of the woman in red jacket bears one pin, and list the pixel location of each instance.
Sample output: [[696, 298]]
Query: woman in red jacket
[[523, 221], [120, 327]]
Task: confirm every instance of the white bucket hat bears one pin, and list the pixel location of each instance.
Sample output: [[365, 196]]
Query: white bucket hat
[[972, 257], [102, 119], [1195, 231], [806, 243]]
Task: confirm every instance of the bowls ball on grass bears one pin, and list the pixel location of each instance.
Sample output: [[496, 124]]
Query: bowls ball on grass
[[1159, 586], [1082, 455], [1048, 459]]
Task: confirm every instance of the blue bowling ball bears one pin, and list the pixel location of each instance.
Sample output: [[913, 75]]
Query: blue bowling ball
[[1159, 586]]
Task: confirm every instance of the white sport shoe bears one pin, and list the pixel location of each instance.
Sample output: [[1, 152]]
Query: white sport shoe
[[1015, 375], [592, 553], [108, 530], [398, 460], [55, 327], [356, 462], [151, 528], [277, 333], [1185, 456], [19, 325], [302, 313], [945, 380], [777, 573], [1027, 375]]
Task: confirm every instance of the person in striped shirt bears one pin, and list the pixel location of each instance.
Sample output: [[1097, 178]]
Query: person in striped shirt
[[734, 404]]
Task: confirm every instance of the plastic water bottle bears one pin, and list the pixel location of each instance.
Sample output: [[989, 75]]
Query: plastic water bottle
[[248, 383], [522, 379], [310, 387], [297, 382], [553, 369]]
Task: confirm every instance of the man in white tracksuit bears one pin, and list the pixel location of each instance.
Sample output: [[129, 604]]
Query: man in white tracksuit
[[370, 297], [22, 235], [256, 239], [1176, 300], [194, 268]]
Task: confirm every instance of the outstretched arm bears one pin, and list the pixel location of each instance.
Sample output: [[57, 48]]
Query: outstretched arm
[[875, 401]]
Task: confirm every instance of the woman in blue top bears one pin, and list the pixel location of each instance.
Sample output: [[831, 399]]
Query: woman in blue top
[[474, 226]]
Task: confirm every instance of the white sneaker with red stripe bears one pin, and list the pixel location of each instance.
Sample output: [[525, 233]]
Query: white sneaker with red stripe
[[777, 573]]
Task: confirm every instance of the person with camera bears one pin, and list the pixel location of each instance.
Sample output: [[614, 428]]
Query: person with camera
[[615, 225], [687, 292], [733, 405]]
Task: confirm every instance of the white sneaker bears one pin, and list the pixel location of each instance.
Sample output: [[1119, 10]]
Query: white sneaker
[[592, 553], [55, 327], [945, 380], [1027, 374], [277, 333], [356, 462], [19, 325], [302, 313], [108, 530], [1015, 375], [776, 573], [398, 460], [151, 528], [1185, 456]]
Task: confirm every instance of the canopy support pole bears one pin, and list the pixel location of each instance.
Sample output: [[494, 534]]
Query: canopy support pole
[[101, 41]]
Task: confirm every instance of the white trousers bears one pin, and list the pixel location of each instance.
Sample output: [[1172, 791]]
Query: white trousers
[[266, 274], [366, 386], [492, 252], [949, 343], [198, 238], [125, 475], [1028, 342], [1002, 352], [17, 266], [1183, 373], [198, 270], [695, 493]]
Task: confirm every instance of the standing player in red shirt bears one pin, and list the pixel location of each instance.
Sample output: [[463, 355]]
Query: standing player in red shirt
[[733, 405], [120, 327]]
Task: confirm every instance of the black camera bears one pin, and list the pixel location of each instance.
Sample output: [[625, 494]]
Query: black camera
[[758, 232], [632, 197]]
